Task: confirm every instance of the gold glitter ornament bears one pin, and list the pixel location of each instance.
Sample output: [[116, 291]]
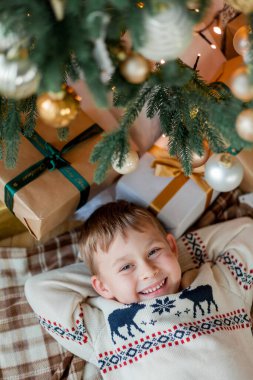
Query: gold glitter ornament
[[244, 6], [58, 109], [135, 69], [193, 112]]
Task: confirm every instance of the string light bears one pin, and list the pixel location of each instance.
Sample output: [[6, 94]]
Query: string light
[[197, 61], [217, 26], [213, 46], [162, 61]]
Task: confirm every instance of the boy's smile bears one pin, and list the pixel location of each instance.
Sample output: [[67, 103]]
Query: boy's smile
[[139, 266]]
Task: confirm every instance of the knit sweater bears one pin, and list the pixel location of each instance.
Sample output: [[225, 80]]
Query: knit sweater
[[201, 332]]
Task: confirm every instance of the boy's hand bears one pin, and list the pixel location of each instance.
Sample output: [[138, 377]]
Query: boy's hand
[[188, 277]]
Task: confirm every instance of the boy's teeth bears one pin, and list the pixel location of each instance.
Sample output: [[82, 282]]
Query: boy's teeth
[[154, 289]]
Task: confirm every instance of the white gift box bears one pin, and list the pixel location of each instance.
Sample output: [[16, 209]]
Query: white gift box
[[142, 186]]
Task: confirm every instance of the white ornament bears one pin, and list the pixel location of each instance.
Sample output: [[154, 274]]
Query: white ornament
[[223, 172], [166, 34], [240, 84], [241, 40], [129, 165], [19, 78], [244, 125]]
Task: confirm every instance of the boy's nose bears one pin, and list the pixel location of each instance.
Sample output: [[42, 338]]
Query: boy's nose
[[148, 271]]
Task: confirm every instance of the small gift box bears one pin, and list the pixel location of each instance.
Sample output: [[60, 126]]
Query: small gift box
[[9, 224], [246, 159], [160, 185], [52, 178]]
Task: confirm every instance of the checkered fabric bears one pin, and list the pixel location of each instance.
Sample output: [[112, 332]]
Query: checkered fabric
[[26, 350]]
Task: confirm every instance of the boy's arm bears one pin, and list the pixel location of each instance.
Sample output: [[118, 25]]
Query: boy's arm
[[229, 245], [59, 299]]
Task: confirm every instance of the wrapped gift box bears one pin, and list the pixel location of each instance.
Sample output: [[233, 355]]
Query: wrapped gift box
[[9, 224], [51, 198], [246, 159], [226, 71], [182, 206], [231, 29]]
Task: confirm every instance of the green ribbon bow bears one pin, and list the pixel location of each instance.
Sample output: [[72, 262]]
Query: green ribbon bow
[[53, 160]]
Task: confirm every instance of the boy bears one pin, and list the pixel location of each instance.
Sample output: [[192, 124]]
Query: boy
[[144, 325]]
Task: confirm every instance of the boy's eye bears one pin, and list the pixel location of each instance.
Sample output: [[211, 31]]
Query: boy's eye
[[125, 267], [153, 252]]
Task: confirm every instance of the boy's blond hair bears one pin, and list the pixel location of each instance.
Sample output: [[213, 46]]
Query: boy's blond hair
[[101, 227]]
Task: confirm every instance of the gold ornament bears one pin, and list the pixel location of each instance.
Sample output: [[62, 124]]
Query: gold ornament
[[135, 69], [58, 109], [197, 160], [244, 6], [240, 84], [129, 165], [244, 125], [241, 40]]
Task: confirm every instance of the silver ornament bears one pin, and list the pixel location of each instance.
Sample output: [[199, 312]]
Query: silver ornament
[[166, 34], [129, 165], [223, 172], [244, 125], [19, 78]]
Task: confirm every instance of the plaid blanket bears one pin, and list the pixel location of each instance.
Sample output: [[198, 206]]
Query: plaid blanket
[[26, 351]]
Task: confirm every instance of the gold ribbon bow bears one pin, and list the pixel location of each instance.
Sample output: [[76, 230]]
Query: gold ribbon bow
[[166, 166]]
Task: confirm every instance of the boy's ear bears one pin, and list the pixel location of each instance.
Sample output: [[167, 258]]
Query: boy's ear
[[100, 287], [172, 243]]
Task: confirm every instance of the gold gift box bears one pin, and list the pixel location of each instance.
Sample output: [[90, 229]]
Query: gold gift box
[[51, 198]]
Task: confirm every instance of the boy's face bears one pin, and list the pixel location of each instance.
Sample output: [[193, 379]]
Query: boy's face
[[139, 267]]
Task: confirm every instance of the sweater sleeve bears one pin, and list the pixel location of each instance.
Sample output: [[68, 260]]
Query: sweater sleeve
[[229, 246], [60, 299]]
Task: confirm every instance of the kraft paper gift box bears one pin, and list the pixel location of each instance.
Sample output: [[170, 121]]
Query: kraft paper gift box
[[51, 198], [177, 201], [246, 159]]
